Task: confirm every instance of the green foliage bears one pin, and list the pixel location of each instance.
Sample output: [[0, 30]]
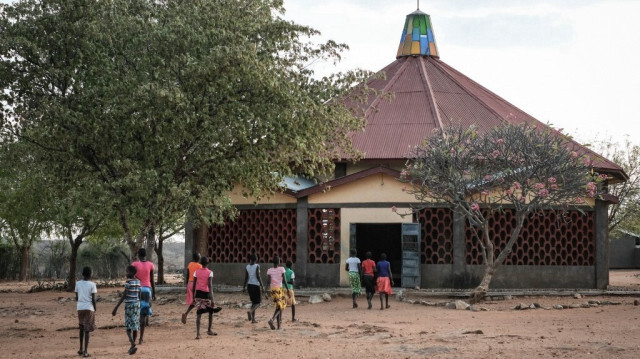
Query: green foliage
[[166, 106], [626, 213], [24, 200], [520, 167]]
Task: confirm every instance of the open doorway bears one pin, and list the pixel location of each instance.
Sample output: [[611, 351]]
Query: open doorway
[[381, 238]]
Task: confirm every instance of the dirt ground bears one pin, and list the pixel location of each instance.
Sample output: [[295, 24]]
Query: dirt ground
[[44, 325]]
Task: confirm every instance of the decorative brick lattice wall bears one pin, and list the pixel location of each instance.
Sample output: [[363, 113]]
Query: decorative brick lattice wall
[[324, 235], [437, 235], [265, 232], [547, 238]]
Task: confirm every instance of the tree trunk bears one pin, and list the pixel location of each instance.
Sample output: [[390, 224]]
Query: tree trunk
[[73, 266], [24, 263], [481, 290], [158, 250]]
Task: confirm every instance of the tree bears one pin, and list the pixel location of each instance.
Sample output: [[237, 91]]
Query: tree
[[513, 166], [24, 201], [626, 213], [170, 104], [166, 230], [77, 213]]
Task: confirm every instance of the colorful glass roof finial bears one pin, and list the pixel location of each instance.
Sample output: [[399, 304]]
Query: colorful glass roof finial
[[417, 36]]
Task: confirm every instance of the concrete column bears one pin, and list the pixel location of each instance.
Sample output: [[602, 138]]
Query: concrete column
[[602, 244], [302, 222], [459, 267]]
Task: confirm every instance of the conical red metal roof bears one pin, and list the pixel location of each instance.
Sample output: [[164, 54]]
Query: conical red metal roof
[[421, 93]]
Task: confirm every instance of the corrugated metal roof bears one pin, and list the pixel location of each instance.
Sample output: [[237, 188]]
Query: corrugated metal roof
[[426, 93]]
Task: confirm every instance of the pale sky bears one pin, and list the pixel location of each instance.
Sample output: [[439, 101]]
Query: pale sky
[[572, 63]]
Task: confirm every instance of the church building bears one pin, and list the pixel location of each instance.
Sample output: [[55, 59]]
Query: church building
[[316, 224]]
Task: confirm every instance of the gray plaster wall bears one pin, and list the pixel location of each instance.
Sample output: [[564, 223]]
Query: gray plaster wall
[[323, 275], [512, 277], [436, 276], [623, 253]]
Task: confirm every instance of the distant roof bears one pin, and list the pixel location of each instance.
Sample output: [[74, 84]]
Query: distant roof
[[419, 93], [295, 184]]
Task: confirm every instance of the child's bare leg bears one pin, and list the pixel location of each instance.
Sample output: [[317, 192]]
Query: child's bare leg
[[184, 315], [354, 296], [386, 298], [86, 343], [131, 334], [143, 322], [275, 315], [81, 350], [293, 313], [253, 312], [198, 325], [381, 306], [279, 318], [209, 331]]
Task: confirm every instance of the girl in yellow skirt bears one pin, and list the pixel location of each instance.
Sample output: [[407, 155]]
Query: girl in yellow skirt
[[275, 278]]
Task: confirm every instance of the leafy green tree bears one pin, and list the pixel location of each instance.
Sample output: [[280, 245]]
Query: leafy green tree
[[168, 105], [24, 201], [77, 213], [518, 167], [626, 213]]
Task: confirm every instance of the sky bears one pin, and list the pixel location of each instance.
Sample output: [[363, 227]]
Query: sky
[[572, 63]]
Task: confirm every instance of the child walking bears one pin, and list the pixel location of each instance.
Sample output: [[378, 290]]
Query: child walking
[[86, 297], [353, 268], [253, 285], [203, 300], [275, 279], [131, 299], [147, 289], [385, 280], [368, 277], [290, 297], [191, 268]]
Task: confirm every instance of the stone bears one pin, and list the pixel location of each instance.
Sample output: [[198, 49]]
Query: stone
[[558, 306], [594, 302], [521, 306], [537, 305], [574, 306], [473, 332], [315, 299], [450, 305], [508, 297], [461, 305], [400, 295], [577, 295], [636, 302], [416, 287], [326, 297], [532, 306]]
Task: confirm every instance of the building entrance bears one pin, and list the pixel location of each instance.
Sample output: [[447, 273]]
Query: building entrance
[[380, 238]]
